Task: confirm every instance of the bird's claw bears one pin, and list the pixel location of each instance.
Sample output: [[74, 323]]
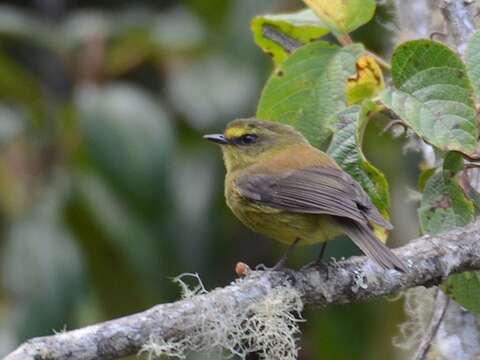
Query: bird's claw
[[321, 266]]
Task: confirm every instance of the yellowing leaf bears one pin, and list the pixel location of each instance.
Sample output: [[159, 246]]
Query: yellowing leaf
[[343, 16], [367, 82], [296, 29]]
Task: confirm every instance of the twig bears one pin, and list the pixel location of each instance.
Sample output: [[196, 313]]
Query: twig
[[430, 259], [441, 35], [393, 123], [344, 39], [286, 42], [290, 44], [473, 158], [472, 165], [441, 305]]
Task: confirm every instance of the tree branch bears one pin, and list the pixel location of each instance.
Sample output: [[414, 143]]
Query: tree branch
[[459, 21], [430, 259]]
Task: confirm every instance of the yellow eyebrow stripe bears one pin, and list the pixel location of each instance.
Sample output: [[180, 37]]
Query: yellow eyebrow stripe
[[235, 132]]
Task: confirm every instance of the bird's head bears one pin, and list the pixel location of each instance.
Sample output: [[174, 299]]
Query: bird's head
[[245, 140]]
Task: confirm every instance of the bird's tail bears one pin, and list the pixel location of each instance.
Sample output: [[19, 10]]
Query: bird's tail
[[362, 235]]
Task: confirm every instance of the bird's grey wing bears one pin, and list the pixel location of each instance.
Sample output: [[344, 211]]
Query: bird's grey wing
[[316, 190], [365, 239], [328, 191]]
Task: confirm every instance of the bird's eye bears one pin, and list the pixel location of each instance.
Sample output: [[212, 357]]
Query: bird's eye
[[248, 139]]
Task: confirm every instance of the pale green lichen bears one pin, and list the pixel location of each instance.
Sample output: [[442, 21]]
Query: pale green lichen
[[360, 281], [268, 326], [188, 291], [157, 347], [419, 306]]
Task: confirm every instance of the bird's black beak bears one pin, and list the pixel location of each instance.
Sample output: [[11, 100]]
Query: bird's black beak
[[216, 138]]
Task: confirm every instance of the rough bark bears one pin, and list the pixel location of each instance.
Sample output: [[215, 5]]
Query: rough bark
[[430, 259]]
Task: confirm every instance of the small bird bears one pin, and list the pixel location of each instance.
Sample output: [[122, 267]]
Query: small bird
[[280, 186]]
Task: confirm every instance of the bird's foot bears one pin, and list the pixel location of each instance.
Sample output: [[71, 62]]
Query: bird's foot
[[262, 267], [319, 265], [280, 265]]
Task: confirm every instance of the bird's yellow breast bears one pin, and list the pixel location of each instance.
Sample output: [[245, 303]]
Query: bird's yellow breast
[[276, 224]]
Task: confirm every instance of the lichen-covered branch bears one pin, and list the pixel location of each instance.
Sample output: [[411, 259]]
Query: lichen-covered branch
[[430, 259]]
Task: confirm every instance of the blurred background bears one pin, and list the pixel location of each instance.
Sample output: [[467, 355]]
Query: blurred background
[[107, 190]]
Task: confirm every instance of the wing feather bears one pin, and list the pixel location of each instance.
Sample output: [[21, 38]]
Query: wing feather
[[315, 190], [324, 190]]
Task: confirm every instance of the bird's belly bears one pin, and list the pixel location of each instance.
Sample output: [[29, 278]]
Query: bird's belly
[[286, 227]]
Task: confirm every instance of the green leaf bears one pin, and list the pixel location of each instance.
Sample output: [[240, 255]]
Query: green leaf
[[453, 163], [346, 149], [308, 89], [444, 206], [465, 289], [425, 175], [297, 29], [472, 61], [343, 16], [433, 95]]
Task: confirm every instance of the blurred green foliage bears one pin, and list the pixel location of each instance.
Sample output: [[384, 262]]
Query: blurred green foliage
[[107, 190]]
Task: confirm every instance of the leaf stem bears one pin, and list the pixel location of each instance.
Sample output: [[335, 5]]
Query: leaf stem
[[345, 39]]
